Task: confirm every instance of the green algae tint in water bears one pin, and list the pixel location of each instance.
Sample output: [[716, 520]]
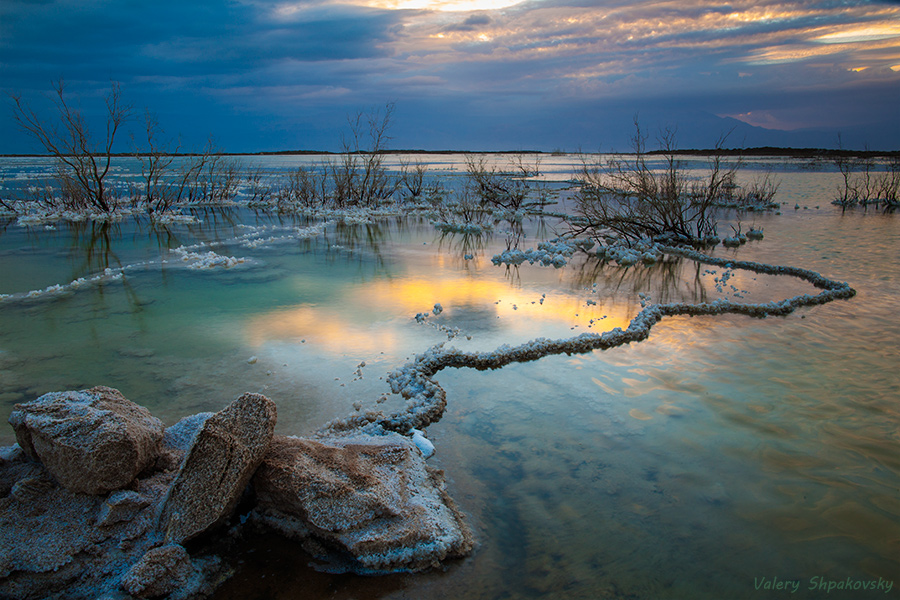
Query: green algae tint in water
[[718, 455]]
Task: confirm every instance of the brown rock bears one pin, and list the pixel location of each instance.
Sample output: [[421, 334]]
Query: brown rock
[[225, 452], [159, 572], [92, 441], [372, 495]]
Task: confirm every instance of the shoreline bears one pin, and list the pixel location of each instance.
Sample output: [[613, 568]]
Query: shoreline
[[760, 151]]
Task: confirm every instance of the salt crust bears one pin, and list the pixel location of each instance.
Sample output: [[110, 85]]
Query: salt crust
[[427, 400]]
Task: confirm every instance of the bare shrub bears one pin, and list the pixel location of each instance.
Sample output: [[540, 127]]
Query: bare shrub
[[83, 162], [863, 183], [211, 177], [305, 188], [158, 190], [413, 177], [494, 187], [757, 195], [360, 178], [632, 198], [259, 187]]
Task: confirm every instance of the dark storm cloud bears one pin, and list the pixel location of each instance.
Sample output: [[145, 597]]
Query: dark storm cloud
[[472, 23], [263, 74], [119, 39]]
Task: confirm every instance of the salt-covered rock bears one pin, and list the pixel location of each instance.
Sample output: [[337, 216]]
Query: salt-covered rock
[[161, 571], [58, 544], [225, 452], [92, 441], [372, 495], [120, 506]]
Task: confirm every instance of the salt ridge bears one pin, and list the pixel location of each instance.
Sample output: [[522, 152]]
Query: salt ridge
[[427, 400]]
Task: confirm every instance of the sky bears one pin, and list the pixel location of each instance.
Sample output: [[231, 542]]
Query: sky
[[258, 75]]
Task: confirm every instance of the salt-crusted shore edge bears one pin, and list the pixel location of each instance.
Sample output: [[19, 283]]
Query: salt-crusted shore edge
[[427, 400]]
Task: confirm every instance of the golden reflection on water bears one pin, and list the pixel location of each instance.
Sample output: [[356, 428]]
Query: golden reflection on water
[[336, 328], [323, 326]]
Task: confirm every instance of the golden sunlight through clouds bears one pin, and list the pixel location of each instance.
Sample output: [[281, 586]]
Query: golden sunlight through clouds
[[442, 5]]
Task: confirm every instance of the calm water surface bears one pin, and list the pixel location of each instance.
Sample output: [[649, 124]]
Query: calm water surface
[[721, 451]]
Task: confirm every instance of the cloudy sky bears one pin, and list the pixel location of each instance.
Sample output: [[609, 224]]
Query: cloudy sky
[[468, 74]]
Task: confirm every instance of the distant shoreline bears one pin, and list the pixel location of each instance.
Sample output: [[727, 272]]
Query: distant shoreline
[[756, 151]]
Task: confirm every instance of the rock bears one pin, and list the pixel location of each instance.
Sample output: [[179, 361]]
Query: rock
[[159, 572], [43, 525], [92, 441], [121, 506], [63, 544], [226, 451], [371, 495], [178, 439]]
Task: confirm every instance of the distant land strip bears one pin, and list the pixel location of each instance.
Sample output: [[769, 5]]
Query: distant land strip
[[756, 151]]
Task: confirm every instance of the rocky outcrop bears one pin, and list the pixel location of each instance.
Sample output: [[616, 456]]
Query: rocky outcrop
[[55, 542], [371, 496], [224, 455], [92, 441], [60, 544]]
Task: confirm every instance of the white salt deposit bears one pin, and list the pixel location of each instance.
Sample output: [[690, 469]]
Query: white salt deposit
[[427, 400], [208, 260], [422, 443], [554, 253]]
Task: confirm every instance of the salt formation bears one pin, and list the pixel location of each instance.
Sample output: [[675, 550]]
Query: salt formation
[[255, 237], [209, 260], [626, 255], [455, 227], [427, 400], [554, 253]]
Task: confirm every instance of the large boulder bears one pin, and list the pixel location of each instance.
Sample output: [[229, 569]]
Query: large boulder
[[226, 450], [91, 441], [372, 496]]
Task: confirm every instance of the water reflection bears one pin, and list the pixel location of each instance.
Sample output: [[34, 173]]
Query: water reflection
[[463, 245], [673, 279], [721, 449]]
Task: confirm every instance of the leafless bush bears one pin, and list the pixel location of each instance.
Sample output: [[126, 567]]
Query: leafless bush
[[83, 163], [259, 188], [211, 177], [306, 187], [520, 163], [495, 188], [862, 182], [758, 194], [628, 196], [413, 177], [360, 178], [158, 190]]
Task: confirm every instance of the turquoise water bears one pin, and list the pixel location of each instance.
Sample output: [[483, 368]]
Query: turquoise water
[[720, 451]]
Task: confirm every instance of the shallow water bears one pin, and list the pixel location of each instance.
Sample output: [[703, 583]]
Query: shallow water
[[720, 451]]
